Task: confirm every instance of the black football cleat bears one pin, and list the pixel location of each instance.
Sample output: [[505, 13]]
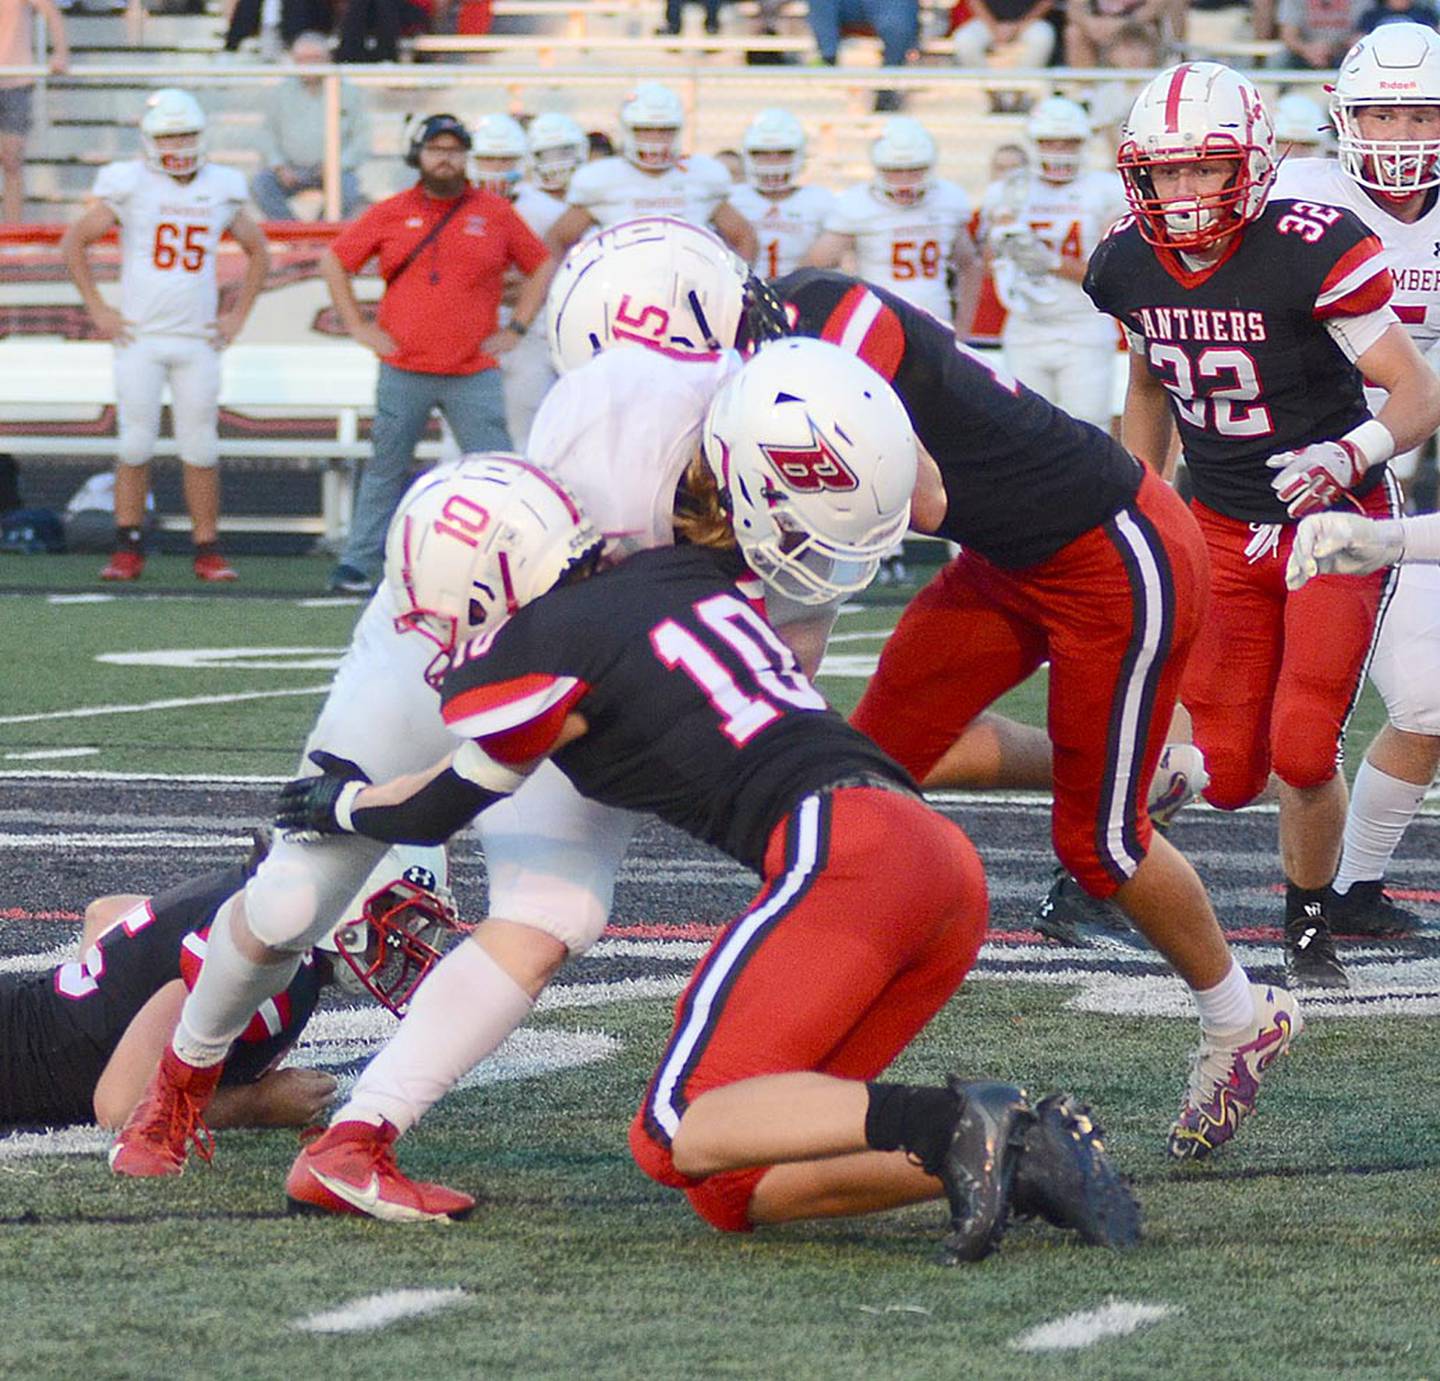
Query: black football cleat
[[1065, 1177], [1368, 912], [978, 1166], [1310, 958], [1068, 915]]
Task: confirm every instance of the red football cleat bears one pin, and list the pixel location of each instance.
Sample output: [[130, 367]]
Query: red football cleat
[[166, 1120], [351, 1169], [210, 565], [124, 565]]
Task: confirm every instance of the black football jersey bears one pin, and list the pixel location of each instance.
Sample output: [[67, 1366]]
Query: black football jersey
[[1022, 477], [59, 1029], [1242, 346], [697, 711]]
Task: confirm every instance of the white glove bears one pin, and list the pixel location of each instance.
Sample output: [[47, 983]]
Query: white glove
[[1315, 476], [1026, 250], [1342, 544]]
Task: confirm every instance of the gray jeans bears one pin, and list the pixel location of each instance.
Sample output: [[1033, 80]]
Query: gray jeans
[[274, 200], [473, 405]]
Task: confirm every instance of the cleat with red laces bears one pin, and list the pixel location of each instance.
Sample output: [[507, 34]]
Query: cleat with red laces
[[123, 565], [167, 1121], [210, 565], [352, 1169]]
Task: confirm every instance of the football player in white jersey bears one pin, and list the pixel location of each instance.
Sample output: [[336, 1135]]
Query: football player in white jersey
[[651, 177], [906, 229], [171, 207], [1039, 226], [787, 216], [1386, 109]]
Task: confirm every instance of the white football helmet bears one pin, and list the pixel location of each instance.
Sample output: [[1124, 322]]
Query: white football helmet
[[497, 149], [661, 283], [816, 457], [557, 147], [170, 112], [903, 157], [1058, 130], [773, 150], [1396, 65], [651, 122], [1300, 126], [1197, 111], [473, 542], [397, 926]]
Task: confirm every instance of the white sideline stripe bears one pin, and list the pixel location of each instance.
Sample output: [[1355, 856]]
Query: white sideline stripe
[[175, 703], [64, 1141], [372, 1312], [1114, 1319], [38, 963], [37, 754], [144, 839]]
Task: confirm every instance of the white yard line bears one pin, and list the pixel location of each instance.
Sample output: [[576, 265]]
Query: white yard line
[[372, 1312], [176, 703], [1114, 1319]]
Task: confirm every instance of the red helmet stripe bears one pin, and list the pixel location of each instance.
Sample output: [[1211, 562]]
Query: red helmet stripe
[[549, 480], [1172, 99]]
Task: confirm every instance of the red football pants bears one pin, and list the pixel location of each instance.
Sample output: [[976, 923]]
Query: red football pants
[[871, 914], [1273, 676], [1115, 612]]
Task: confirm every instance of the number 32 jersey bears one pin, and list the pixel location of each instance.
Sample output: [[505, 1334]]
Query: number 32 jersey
[[170, 232], [1245, 346]]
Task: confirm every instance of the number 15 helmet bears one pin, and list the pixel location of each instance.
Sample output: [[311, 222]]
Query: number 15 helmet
[[1197, 111], [170, 112], [816, 458], [1397, 65]]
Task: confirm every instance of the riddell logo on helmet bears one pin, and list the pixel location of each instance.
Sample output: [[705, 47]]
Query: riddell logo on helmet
[[1399, 86]]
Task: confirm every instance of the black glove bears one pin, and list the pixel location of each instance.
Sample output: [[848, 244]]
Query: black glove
[[307, 805]]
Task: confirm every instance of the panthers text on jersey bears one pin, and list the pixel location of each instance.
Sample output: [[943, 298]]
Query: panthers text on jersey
[[1243, 345], [58, 1030], [697, 712], [906, 249], [614, 189], [170, 232], [786, 226], [1022, 477]]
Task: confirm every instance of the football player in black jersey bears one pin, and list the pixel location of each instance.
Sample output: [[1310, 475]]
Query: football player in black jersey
[[656, 685], [1252, 321]]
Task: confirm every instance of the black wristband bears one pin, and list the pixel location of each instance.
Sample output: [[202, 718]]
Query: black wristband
[[519, 327]]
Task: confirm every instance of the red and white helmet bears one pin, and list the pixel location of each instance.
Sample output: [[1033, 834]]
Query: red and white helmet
[[499, 142], [654, 281], [816, 456], [397, 927], [904, 158], [1058, 130], [1198, 110], [170, 112], [1397, 65], [557, 147], [471, 543], [773, 150], [651, 122]]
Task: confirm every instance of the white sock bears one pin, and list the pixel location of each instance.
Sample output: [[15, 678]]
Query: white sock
[[1381, 809], [1227, 1006], [461, 1012], [226, 995]]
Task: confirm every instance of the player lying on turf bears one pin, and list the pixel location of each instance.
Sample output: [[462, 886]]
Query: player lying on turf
[[655, 685]]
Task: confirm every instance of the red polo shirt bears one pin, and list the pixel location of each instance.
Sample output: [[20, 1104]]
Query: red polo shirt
[[448, 300]]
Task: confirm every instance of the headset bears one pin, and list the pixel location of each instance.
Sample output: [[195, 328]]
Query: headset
[[431, 127]]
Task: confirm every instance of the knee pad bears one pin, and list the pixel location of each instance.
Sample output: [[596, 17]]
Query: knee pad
[[203, 455], [299, 893], [135, 447]]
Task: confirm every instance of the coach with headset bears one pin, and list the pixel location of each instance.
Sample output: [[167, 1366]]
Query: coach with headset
[[444, 249]]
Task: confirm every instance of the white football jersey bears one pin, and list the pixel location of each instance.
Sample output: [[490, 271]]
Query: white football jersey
[[1412, 251], [169, 235], [537, 208], [906, 249], [785, 226], [1071, 217], [614, 189]]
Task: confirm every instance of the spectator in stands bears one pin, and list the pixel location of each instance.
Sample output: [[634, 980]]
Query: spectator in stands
[[296, 17], [17, 49], [1091, 26], [601, 145], [895, 22], [673, 9], [1318, 33], [1134, 48], [444, 247], [1006, 33], [370, 30], [1399, 11], [293, 136]]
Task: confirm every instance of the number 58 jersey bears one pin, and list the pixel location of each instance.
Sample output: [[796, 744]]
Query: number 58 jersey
[[170, 232], [1256, 349]]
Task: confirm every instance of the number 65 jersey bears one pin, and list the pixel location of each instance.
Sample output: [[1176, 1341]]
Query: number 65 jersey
[[1257, 349]]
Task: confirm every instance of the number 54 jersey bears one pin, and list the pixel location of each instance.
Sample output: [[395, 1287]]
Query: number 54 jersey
[[1255, 349]]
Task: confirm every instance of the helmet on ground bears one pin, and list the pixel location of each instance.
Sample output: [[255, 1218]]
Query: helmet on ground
[[473, 542], [904, 158], [657, 282], [498, 142], [1396, 65], [816, 457], [773, 150], [651, 122], [557, 147], [1197, 111], [170, 114], [1058, 130]]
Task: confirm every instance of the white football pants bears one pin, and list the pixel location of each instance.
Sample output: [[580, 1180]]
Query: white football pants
[[192, 369]]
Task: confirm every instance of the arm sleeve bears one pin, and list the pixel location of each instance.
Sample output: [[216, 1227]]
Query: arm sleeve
[[444, 805], [1356, 334]]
